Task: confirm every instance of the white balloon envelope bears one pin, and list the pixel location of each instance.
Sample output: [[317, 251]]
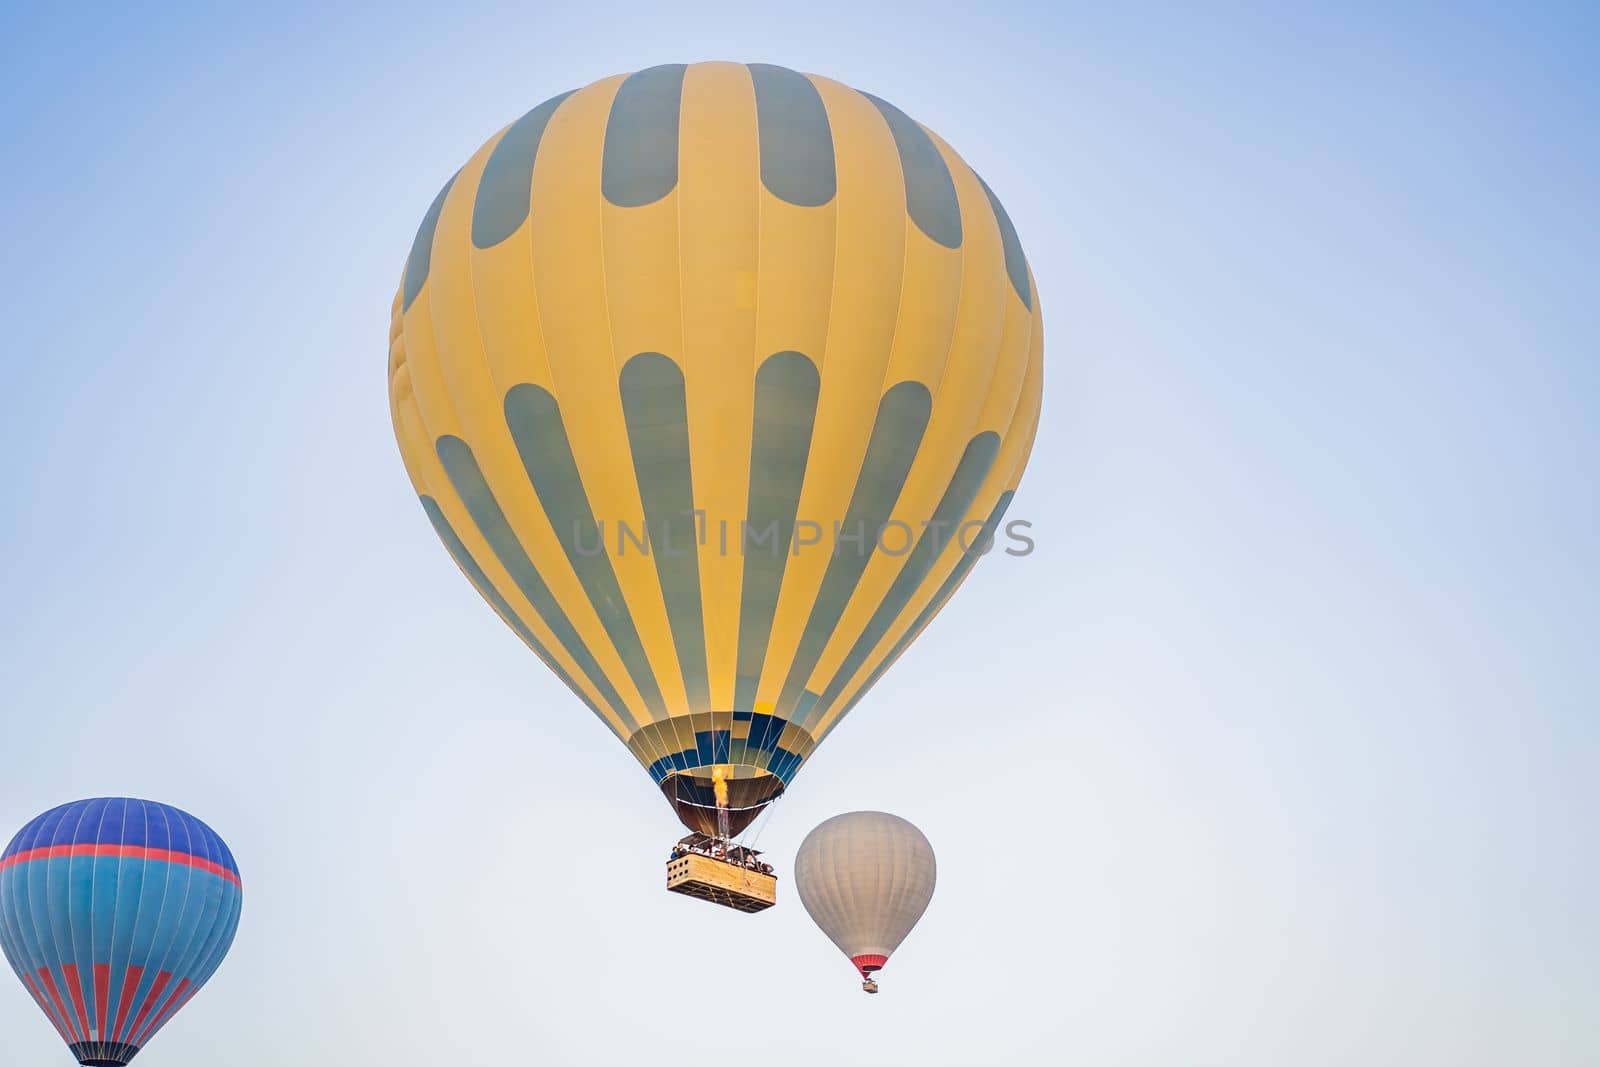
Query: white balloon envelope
[[865, 878]]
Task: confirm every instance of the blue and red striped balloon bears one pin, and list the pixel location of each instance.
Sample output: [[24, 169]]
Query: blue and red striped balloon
[[114, 912]]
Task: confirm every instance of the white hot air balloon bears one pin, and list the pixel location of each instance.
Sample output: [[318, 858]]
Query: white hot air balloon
[[865, 878]]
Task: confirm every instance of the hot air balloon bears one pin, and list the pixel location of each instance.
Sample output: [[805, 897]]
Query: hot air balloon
[[114, 912], [715, 380], [865, 878]]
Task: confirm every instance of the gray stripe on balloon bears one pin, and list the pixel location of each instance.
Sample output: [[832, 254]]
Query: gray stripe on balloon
[[421, 257], [655, 408], [505, 191], [534, 419], [797, 164], [896, 435], [786, 389], [640, 162], [930, 191], [461, 467], [940, 532], [1016, 262]]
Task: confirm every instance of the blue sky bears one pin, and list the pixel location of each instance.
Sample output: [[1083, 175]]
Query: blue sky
[[1286, 744]]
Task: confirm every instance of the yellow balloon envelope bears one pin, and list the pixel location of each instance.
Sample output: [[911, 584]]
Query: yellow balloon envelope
[[716, 381]]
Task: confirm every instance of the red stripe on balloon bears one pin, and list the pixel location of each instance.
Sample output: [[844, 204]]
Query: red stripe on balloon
[[55, 995], [44, 1006], [166, 1012], [150, 1001], [130, 985], [69, 971], [135, 852], [102, 996]]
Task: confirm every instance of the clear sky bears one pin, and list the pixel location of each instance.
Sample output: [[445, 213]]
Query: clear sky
[[1285, 742]]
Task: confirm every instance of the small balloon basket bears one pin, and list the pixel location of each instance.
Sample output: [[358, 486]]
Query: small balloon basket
[[709, 868]]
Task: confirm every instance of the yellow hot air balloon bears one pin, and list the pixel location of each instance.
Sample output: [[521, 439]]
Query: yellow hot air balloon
[[716, 380]]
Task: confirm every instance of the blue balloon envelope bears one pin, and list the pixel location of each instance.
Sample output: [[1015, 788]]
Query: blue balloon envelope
[[114, 912]]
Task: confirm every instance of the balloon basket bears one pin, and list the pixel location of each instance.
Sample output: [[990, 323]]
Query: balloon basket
[[708, 868]]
